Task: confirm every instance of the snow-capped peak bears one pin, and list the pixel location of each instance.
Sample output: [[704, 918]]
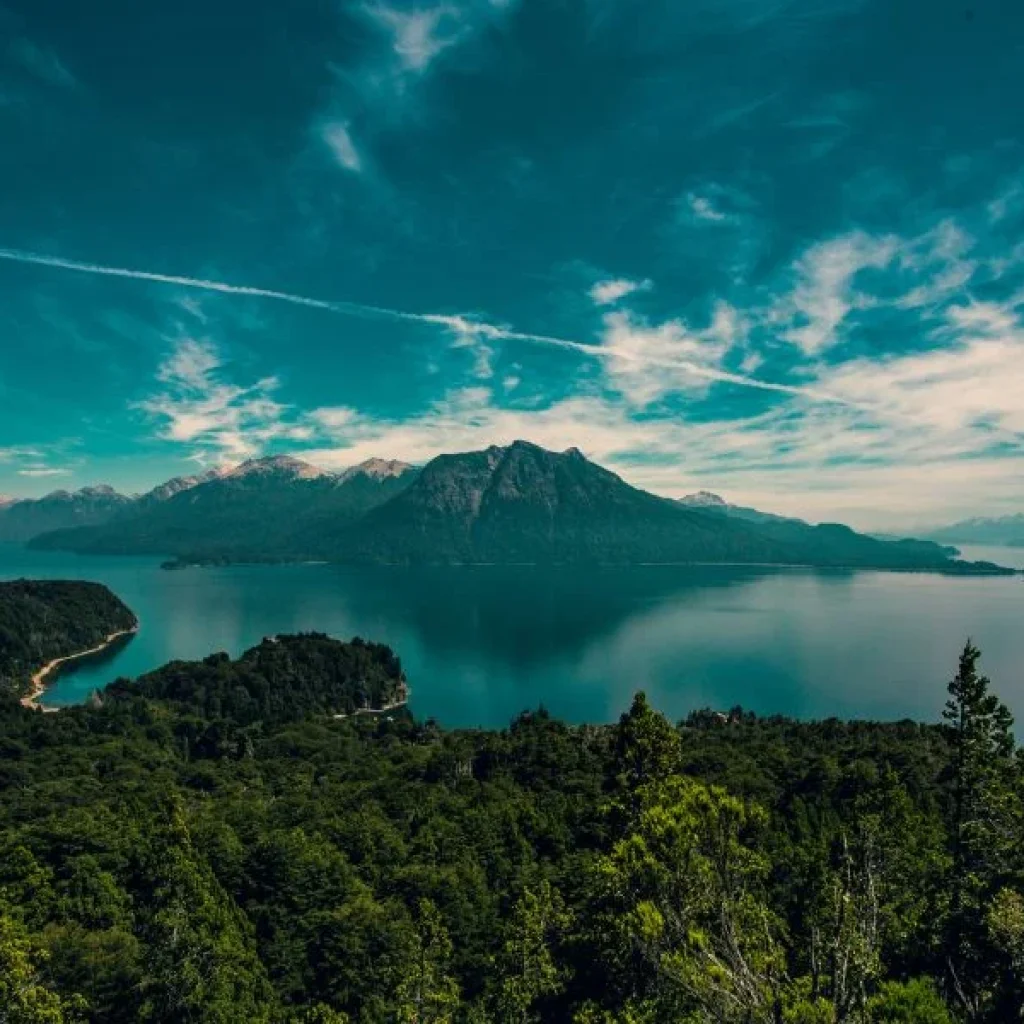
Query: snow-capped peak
[[378, 469], [286, 465], [704, 499]]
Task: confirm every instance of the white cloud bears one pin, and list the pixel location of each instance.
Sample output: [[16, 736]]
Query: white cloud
[[824, 293], [217, 419], [42, 471], [15, 454], [418, 36], [1008, 202], [338, 140], [703, 208], [607, 293]]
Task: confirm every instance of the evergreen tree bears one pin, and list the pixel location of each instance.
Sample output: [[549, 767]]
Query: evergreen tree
[[983, 836]]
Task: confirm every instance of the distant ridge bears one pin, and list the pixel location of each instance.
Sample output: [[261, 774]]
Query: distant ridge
[[22, 520], [1002, 531], [506, 504]]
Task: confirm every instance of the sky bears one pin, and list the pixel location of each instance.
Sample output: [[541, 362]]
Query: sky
[[768, 248]]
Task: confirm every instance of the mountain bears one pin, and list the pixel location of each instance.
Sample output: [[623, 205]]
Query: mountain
[[377, 469], [830, 543], [715, 503], [1003, 531], [22, 520], [523, 504], [168, 490], [518, 504], [271, 508]]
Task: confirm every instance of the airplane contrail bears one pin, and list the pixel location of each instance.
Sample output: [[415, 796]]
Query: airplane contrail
[[460, 324]]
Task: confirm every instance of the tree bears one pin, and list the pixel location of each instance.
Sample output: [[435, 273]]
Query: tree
[[682, 925], [24, 998], [911, 1002], [199, 965], [646, 746], [982, 827], [426, 992], [528, 968]]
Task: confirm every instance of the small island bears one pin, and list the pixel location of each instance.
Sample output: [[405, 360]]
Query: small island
[[46, 623]]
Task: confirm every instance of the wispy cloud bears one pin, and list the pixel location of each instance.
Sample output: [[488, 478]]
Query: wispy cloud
[[225, 422], [464, 327], [703, 208], [418, 36], [607, 293], [824, 293], [42, 63], [338, 139], [13, 454], [42, 471]]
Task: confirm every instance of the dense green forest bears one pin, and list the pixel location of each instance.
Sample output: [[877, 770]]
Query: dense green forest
[[45, 619], [211, 844]]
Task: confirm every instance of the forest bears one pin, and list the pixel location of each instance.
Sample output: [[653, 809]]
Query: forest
[[212, 844], [45, 619]]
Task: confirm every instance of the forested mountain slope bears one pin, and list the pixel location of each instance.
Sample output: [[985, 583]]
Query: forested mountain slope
[[45, 619]]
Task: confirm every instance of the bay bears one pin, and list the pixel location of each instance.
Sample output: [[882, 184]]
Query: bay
[[480, 645]]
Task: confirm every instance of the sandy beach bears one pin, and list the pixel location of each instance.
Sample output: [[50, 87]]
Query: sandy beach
[[39, 684]]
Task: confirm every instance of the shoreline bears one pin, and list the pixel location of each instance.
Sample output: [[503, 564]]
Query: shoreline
[[39, 683]]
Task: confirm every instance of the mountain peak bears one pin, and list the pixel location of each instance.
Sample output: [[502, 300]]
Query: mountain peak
[[168, 489], [280, 465], [378, 469], [98, 491], [703, 499]]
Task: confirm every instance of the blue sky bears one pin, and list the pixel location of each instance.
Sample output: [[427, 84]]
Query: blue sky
[[771, 248]]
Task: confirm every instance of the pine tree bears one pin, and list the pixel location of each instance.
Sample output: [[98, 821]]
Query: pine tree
[[982, 826]]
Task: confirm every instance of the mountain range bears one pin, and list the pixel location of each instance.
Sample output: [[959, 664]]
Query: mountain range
[[517, 504], [1003, 531]]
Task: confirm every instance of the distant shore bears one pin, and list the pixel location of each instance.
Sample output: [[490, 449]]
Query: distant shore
[[39, 680]]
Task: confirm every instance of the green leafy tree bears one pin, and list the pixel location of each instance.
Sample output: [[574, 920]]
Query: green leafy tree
[[527, 964], [426, 992], [912, 1002], [24, 998], [682, 923]]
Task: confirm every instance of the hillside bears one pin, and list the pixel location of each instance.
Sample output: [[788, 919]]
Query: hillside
[[211, 845], [264, 509], [1001, 531], [282, 680], [20, 521], [43, 620], [524, 504], [829, 543], [518, 504]]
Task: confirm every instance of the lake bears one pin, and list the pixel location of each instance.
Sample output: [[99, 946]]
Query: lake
[[480, 645]]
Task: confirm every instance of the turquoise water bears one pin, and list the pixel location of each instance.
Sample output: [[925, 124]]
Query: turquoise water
[[479, 645]]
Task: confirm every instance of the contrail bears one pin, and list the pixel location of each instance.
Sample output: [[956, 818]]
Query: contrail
[[459, 324], [199, 284]]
